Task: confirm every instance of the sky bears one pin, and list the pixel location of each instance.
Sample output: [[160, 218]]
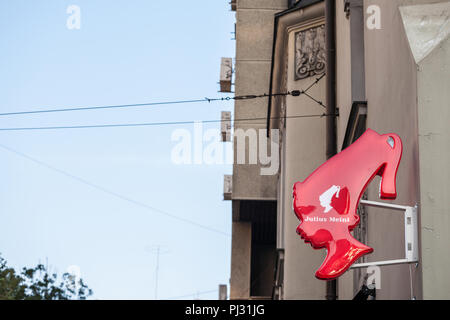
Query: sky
[[104, 199]]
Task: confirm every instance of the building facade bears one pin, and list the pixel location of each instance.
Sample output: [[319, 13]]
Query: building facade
[[392, 75]]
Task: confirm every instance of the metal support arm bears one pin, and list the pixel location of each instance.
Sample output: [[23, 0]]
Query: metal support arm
[[411, 235]]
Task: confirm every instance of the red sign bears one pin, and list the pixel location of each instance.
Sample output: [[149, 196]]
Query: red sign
[[327, 200]]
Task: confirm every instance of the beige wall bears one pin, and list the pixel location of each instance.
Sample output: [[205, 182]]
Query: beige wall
[[391, 89], [343, 71], [400, 96], [302, 151], [305, 151]]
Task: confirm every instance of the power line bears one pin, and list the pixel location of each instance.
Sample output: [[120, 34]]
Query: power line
[[149, 124], [112, 193], [314, 83], [147, 104], [294, 93], [314, 99]]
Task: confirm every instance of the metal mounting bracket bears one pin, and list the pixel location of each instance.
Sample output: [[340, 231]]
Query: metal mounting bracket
[[411, 235]]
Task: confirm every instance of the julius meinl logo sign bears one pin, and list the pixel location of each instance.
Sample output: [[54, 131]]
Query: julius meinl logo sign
[[327, 200]]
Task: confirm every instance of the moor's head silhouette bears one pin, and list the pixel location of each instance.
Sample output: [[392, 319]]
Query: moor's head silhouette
[[327, 200]]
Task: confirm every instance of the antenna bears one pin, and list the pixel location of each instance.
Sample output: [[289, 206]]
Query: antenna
[[158, 250]]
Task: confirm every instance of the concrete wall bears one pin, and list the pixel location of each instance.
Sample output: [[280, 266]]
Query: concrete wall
[[433, 79], [240, 260], [263, 264], [254, 35], [434, 146]]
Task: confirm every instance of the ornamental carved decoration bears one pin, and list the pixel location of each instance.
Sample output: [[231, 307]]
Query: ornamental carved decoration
[[310, 52]]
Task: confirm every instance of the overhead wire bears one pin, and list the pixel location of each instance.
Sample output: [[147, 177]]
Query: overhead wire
[[294, 93], [109, 106]]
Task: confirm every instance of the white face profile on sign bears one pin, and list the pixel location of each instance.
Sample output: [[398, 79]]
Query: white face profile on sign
[[325, 198]]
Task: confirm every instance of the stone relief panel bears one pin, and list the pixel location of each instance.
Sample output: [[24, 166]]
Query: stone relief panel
[[310, 52]]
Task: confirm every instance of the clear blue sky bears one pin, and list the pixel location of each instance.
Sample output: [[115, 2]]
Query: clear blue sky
[[126, 52]]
